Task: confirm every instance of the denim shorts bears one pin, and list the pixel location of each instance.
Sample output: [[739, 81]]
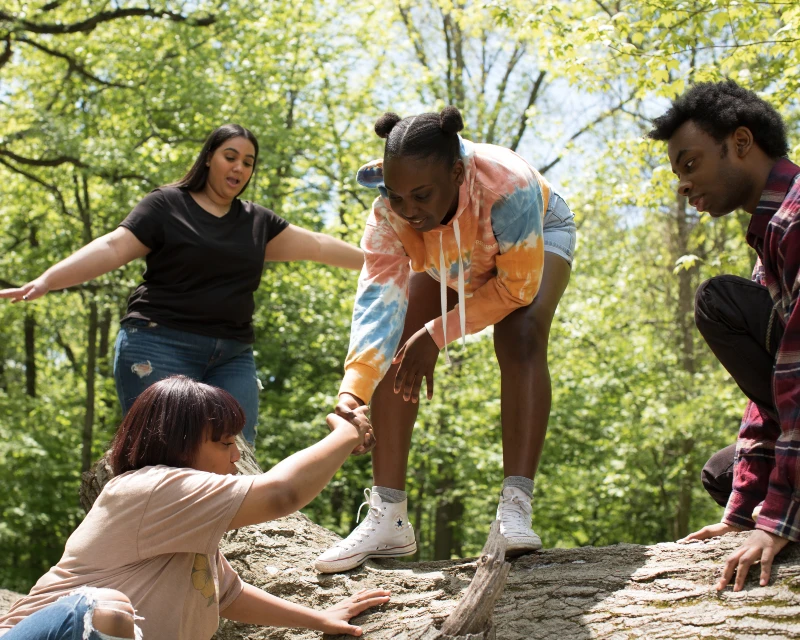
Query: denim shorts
[[147, 352], [69, 618], [559, 228]]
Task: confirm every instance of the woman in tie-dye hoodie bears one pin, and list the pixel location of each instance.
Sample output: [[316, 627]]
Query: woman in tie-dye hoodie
[[461, 236]]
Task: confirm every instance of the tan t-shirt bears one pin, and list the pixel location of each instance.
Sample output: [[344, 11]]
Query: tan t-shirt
[[153, 534]]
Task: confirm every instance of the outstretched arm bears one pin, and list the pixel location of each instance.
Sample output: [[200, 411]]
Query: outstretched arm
[[254, 606], [296, 243], [294, 482], [100, 256]]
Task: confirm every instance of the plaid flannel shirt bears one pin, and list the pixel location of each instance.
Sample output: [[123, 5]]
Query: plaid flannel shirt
[[767, 465]]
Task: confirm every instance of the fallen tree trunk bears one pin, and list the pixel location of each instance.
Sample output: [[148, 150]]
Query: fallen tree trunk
[[618, 592]]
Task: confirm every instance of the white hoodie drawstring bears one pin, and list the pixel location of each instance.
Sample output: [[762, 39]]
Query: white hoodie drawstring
[[462, 314], [443, 289]]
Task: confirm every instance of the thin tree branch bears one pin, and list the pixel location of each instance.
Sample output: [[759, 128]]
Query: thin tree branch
[[90, 24], [670, 54], [68, 351], [531, 101], [413, 34], [6, 55], [603, 7], [51, 188], [516, 56], [41, 162], [55, 4], [73, 64], [586, 128], [449, 55]]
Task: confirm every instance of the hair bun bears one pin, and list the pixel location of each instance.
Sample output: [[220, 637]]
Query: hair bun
[[450, 120], [385, 124]]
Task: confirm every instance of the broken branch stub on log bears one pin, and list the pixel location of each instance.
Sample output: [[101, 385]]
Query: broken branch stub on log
[[472, 618], [93, 481]]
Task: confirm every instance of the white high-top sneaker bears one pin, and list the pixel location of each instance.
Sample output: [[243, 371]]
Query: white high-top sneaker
[[514, 514], [384, 533]]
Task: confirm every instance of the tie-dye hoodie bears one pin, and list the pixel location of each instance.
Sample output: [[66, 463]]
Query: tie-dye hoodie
[[491, 251]]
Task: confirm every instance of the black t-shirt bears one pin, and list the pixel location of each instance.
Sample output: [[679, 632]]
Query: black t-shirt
[[202, 270]]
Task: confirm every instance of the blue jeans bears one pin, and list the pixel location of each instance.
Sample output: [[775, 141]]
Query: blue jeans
[[62, 620], [147, 352]]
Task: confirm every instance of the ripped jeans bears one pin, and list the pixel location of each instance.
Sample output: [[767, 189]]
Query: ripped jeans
[[147, 352], [69, 618]]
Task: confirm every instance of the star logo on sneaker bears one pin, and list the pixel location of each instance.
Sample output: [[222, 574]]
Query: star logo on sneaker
[[398, 523]]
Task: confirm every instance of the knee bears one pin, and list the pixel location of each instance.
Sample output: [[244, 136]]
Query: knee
[[523, 342], [113, 614], [717, 475], [706, 299]]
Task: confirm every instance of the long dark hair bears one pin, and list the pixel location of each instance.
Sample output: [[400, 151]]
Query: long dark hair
[[195, 179], [170, 420]]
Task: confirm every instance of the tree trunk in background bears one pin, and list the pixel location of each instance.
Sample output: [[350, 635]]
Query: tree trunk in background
[[445, 522], [30, 329], [686, 329], [102, 355], [421, 482], [91, 374], [81, 185], [3, 383], [30, 354]]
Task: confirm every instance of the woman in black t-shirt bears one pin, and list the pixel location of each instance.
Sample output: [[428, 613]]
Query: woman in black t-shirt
[[205, 251]]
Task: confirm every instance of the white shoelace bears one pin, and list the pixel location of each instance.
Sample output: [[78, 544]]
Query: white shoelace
[[515, 514], [367, 526]]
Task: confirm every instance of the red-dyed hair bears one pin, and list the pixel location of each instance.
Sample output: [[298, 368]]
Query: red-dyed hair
[[170, 420]]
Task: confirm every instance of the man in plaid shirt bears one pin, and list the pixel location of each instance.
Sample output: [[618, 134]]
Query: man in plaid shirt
[[728, 148]]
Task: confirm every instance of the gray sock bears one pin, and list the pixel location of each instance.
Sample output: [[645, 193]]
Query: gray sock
[[390, 495], [520, 482]]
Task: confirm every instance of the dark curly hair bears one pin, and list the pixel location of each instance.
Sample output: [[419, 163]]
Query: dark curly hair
[[428, 135], [719, 108]]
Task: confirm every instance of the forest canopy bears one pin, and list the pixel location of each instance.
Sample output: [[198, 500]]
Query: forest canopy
[[100, 103]]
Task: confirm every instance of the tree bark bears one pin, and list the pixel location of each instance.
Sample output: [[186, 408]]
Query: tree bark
[[664, 591], [618, 592]]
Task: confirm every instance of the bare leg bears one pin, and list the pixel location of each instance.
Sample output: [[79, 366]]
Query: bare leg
[[113, 614], [393, 418], [520, 343]]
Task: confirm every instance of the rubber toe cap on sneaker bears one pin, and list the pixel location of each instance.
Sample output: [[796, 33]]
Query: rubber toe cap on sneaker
[[522, 544]]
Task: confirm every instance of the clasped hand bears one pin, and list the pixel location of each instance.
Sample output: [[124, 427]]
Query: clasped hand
[[417, 359], [356, 413]]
